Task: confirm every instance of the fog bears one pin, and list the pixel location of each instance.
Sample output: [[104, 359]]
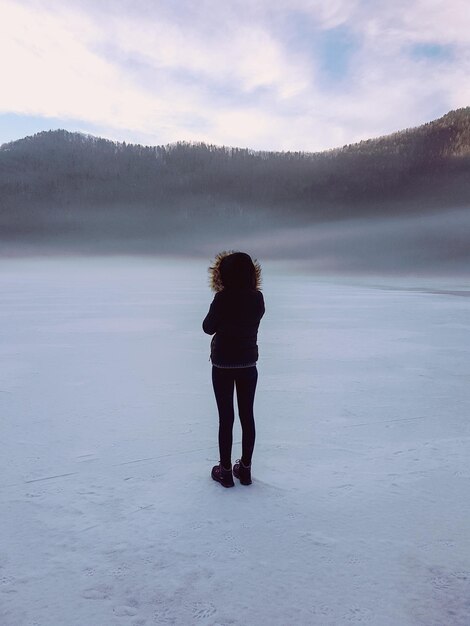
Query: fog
[[421, 243], [392, 205], [418, 244]]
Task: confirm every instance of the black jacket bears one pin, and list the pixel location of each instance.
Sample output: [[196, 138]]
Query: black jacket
[[234, 317]]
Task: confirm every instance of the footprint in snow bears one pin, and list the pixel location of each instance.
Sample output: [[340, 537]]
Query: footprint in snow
[[201, 611], [125, 610], [97, 593]]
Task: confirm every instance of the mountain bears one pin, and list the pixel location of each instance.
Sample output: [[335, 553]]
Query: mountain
[[74, 184]]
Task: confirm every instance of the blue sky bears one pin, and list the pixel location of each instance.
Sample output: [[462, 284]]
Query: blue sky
[[267, 74]]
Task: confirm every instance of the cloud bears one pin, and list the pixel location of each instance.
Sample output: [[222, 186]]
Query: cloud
[[308, 74]]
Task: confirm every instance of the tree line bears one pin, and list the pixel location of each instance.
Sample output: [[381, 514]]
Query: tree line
[[415, 167]]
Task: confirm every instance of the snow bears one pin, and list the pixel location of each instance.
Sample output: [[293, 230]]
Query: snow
[[359, 509]]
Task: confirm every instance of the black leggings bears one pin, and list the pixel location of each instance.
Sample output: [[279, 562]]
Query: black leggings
[[223, 380]]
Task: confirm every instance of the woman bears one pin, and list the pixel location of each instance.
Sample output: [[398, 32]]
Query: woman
[[234, 317]]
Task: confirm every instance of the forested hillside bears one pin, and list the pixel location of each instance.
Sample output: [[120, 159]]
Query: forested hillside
[[66, 167]]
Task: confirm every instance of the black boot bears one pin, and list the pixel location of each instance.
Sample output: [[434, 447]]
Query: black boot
[[242, 472], [222, 475]]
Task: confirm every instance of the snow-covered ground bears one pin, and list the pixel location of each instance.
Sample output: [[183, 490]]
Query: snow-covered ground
[[360, 508]]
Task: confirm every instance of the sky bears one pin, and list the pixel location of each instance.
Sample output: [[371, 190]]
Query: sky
[[264, 74]]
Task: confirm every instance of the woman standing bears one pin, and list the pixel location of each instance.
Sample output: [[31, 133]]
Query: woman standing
[[233, 319]]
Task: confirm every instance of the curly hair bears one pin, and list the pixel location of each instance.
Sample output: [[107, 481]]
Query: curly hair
[[234, 269]]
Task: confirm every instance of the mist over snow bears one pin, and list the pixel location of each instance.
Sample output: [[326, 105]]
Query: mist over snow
[[417, 245], [397, 203]]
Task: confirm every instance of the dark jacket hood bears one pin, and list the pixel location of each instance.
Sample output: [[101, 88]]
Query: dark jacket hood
[[231, 267]]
